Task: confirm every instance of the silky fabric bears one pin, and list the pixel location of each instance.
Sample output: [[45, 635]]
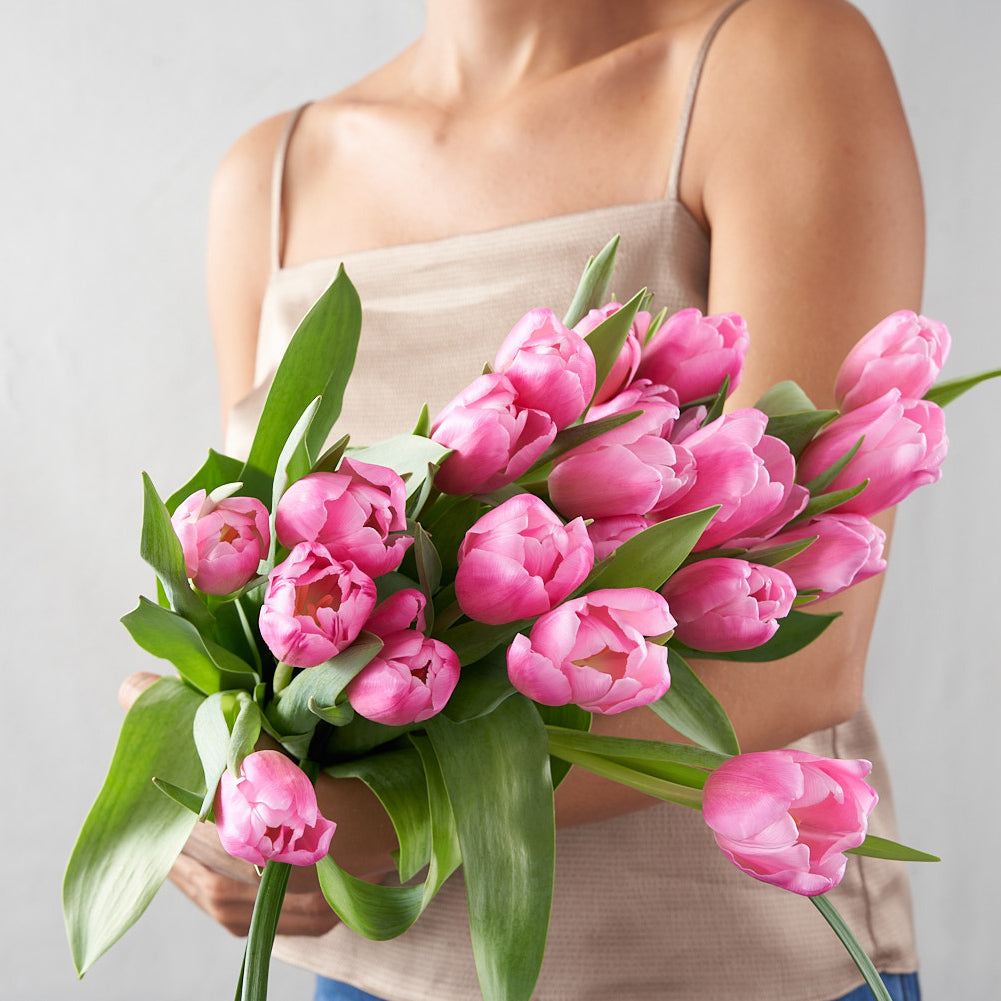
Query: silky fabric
[[645, 906]]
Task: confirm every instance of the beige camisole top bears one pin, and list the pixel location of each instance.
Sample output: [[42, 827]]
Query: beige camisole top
[[646, 907]]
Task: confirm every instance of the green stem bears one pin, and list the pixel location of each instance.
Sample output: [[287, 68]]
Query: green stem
[[263, 924], [851, 943]]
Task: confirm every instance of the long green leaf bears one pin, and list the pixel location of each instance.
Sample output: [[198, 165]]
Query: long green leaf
[[592, 290], [202, 663], [133, 832], [851, 944], [798, 430], [875, 847], [943, 393], [483, 685], [649, 558], [578, 434], [217, 470], [496, 771], [568, 719], [635, 750], [607, 339], [691, 709], [409, 455], [317, 362], [160, 547]]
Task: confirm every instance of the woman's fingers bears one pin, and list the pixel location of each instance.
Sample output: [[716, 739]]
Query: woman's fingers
[[230, 902], [133, 686]]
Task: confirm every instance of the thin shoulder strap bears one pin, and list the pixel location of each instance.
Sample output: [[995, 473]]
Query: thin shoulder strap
[[277, 179], [693, 87]]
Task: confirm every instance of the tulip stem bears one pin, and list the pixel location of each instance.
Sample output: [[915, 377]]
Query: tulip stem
[[263, 925], [851, 943]]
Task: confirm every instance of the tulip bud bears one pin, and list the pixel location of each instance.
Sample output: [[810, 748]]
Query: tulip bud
[[223, 542], [519, 560], [593, 651], [550, 367], [314, 606], [904, 351], [624, 369], [269, 813], [693, 353], [355, 513], [724, 604], [787, 817]]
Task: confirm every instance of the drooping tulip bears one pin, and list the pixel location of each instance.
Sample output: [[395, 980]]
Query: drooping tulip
[[269, 813], [787, 817]]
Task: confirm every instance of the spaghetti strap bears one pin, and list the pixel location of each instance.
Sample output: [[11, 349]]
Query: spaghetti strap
[[689, 103], [277, 178]]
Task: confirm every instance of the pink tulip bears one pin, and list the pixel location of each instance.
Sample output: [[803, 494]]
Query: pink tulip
[[519, 560], [848, 550], [409, 680], [724, 604], [904, 443], [357, 513], [748, 473], [607, 534], [269, 813], [642, 477], [786, 817], [550, 367], [625, 366], [593, 651], [314, 606], [693, 353], [223, 542], [401, 610], [905, 351], [494, 439], [658, 407]]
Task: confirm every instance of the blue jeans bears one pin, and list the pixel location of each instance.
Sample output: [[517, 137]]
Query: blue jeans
[[902, 987]]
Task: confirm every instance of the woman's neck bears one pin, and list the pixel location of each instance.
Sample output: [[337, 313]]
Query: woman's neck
[[475, 50]]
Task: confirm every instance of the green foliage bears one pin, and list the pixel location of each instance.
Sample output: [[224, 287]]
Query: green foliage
[[592, 290], [133, 832], [796, 630], [943, 393], [607, 339]]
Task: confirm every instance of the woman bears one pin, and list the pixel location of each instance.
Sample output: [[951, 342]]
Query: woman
[[539, 129]]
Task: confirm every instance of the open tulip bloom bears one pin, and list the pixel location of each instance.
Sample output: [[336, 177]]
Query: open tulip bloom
[[454, 604]]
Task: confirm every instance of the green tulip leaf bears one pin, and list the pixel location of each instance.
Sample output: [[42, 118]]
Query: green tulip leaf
[[823, 480], [649, 558], [944, 392], [875, 847], [211, 733], [204, 664], [160, 547], [798, 430], [607, 339], [827, 502], [410, 455], [773, 556], [691, 709], [651, 755], [784, 398], [133, 832], [592, 290], [218, 469], [331, 459], [317, 362], [655, 324], [496, 772], [289, 711], [578, 434], [472, 641], [428, 568], [336, 715], [570, 718], [422, 429], [483, 685], [715, 406], [191, 801]]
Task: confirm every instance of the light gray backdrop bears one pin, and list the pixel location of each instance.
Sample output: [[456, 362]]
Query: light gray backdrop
[[115, 115]]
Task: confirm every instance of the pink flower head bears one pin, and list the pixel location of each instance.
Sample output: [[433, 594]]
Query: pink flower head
[[401, 610], [314, 606], [659, 412], [607, 534], [642, 477], [494, 439], [903, 445], [628, 361], [694, 353], [724, 604], [269, 813], [550, 367], [409, 680], [848, 550], [357, 513], [593, 651], [519, 560], [786, 817], [222, 541], [904, 351], [748, 473]]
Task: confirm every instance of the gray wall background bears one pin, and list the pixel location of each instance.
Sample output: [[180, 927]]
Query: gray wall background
[[115, 115]]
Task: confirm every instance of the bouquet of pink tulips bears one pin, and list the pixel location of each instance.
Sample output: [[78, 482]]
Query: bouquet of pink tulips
[[440, 614]]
